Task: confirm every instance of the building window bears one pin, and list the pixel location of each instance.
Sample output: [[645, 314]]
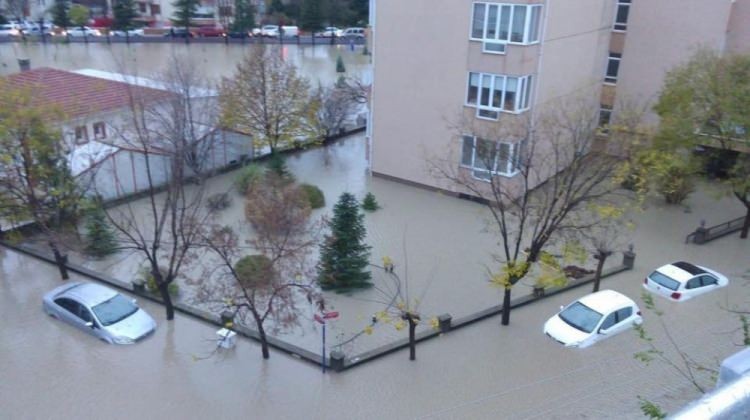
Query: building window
[[100, 131], [621, 15], [613, 67], [486, 158], [605, 116], [492, 93], [142, 8], [82, 134], [497, 24], [155, 9]]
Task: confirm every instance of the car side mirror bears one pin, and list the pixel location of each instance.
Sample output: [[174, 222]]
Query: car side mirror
[[134, 301], [562, 307], [90, 324], [602, 331]]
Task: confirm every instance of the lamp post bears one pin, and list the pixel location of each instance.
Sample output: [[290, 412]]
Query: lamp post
[[321, 319]]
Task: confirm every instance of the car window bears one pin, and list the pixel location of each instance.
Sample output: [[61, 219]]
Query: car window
[[693, 283], [580, 317], [663, 280], [68, 304], [624, 314], [609, 321], [708, 281]]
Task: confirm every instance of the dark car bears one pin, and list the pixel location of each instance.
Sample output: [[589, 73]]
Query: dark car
[[179, 33], [239, 34], [209, 31]]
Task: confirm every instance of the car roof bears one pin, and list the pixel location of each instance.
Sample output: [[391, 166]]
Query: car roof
[[681, 271], [90, 294], [606, 301]]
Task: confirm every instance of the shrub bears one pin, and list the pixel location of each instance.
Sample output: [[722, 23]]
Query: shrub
[[314, 195], [100, 238], [370, 203], [674, 180], [218, 201], [340, 67], [254, 271], [277, 165], [148, 279], [248, 177]]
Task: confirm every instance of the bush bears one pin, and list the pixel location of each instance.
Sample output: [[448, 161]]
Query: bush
[[218, 201], [370, 203], [314, 195], [674, 178], [100, 238], [340, 67], [254, 271], [248, 177], [148, 279], [277, 165]]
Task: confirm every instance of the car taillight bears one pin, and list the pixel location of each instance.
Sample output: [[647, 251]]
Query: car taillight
[[676, 296]]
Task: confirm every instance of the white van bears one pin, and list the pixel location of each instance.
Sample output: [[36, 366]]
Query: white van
[[354, 33], [290, 31]]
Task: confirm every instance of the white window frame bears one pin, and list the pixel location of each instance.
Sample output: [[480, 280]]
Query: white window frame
[[512, 166], [497, 39], [624, 25], [522, 102], [612, 80]]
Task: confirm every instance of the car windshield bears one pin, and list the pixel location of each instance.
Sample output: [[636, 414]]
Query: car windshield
[[114, 310], [665, 281], [581, 317]]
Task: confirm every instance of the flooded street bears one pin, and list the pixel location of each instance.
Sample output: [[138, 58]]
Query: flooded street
[[214, 60]]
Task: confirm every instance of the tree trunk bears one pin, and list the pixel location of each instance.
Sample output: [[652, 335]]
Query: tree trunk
[[599, 268], [412, 340], [164, 291], [746, 225], [61, 261], [263, 341], [506, 306]]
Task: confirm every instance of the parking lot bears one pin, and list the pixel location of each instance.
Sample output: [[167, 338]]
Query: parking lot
[[51, 370]]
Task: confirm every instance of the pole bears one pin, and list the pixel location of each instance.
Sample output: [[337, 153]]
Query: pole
[[323, 357]]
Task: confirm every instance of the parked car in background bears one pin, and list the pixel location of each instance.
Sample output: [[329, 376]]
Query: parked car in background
[[269, 31], [239, 34], [593, 318], [178, 33], [99, 311], [290, 31], [9, 29], [45, 28], [135, 33], [682, 280], [256, 32], [210, 31], [353, 33], [81, 31], [330, 31]]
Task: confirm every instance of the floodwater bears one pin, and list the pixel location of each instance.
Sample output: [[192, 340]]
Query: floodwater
[[318, 62]]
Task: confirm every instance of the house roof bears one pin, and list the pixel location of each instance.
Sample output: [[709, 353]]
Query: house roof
[[79, 95]]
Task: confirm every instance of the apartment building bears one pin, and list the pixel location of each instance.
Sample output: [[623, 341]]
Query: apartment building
[[437, 62]]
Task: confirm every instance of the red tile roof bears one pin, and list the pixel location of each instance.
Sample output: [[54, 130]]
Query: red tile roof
[[77, 95]]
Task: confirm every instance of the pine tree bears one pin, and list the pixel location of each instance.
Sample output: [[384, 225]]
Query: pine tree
[[60, 15], [340, 67], [312, 15], [277, 165], [99, 235], [244, 16], [124, 13], [370, 203], [183, 12], [344, 256], [360, 11], [276, 7]]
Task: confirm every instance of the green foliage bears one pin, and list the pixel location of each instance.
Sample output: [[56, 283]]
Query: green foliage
[[254, 271], [360, 12], [60, 16], [276, 6], [311, 18], [244, 16], [124, 12], [745, 330], [673, 177], [3, 20], [510, 274], [344, 257], [100, 238], [184, 11], [277, 166], [314, 196], [340, 67], [145, 277], [370, 203], [248, 178], [651, 410], [79, 15], [574, 252]]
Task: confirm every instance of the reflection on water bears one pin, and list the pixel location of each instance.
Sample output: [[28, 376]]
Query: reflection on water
[[317, 62]]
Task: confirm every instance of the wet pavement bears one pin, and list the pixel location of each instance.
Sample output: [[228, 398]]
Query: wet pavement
[[50, 370]]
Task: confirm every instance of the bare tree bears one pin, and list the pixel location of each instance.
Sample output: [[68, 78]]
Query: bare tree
[[271, 284], [269, 100], [536, 186], [608, 235], [170, 135], [334, 106]]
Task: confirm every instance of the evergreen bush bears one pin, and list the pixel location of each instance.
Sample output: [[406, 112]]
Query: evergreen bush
[[314, 196], [248, 177], [370, 203], [100, 238]]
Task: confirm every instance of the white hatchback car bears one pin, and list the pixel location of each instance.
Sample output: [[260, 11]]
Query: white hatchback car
[[593, 318], [682, 280]]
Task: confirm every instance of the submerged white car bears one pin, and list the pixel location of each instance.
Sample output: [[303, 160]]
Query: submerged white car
[[682, 280], [99, 311], [593, 318]]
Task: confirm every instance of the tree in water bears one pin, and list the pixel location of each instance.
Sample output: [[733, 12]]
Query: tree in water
[[344, 255]]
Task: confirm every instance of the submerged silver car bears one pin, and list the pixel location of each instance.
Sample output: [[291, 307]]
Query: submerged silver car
[[99, 311]]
